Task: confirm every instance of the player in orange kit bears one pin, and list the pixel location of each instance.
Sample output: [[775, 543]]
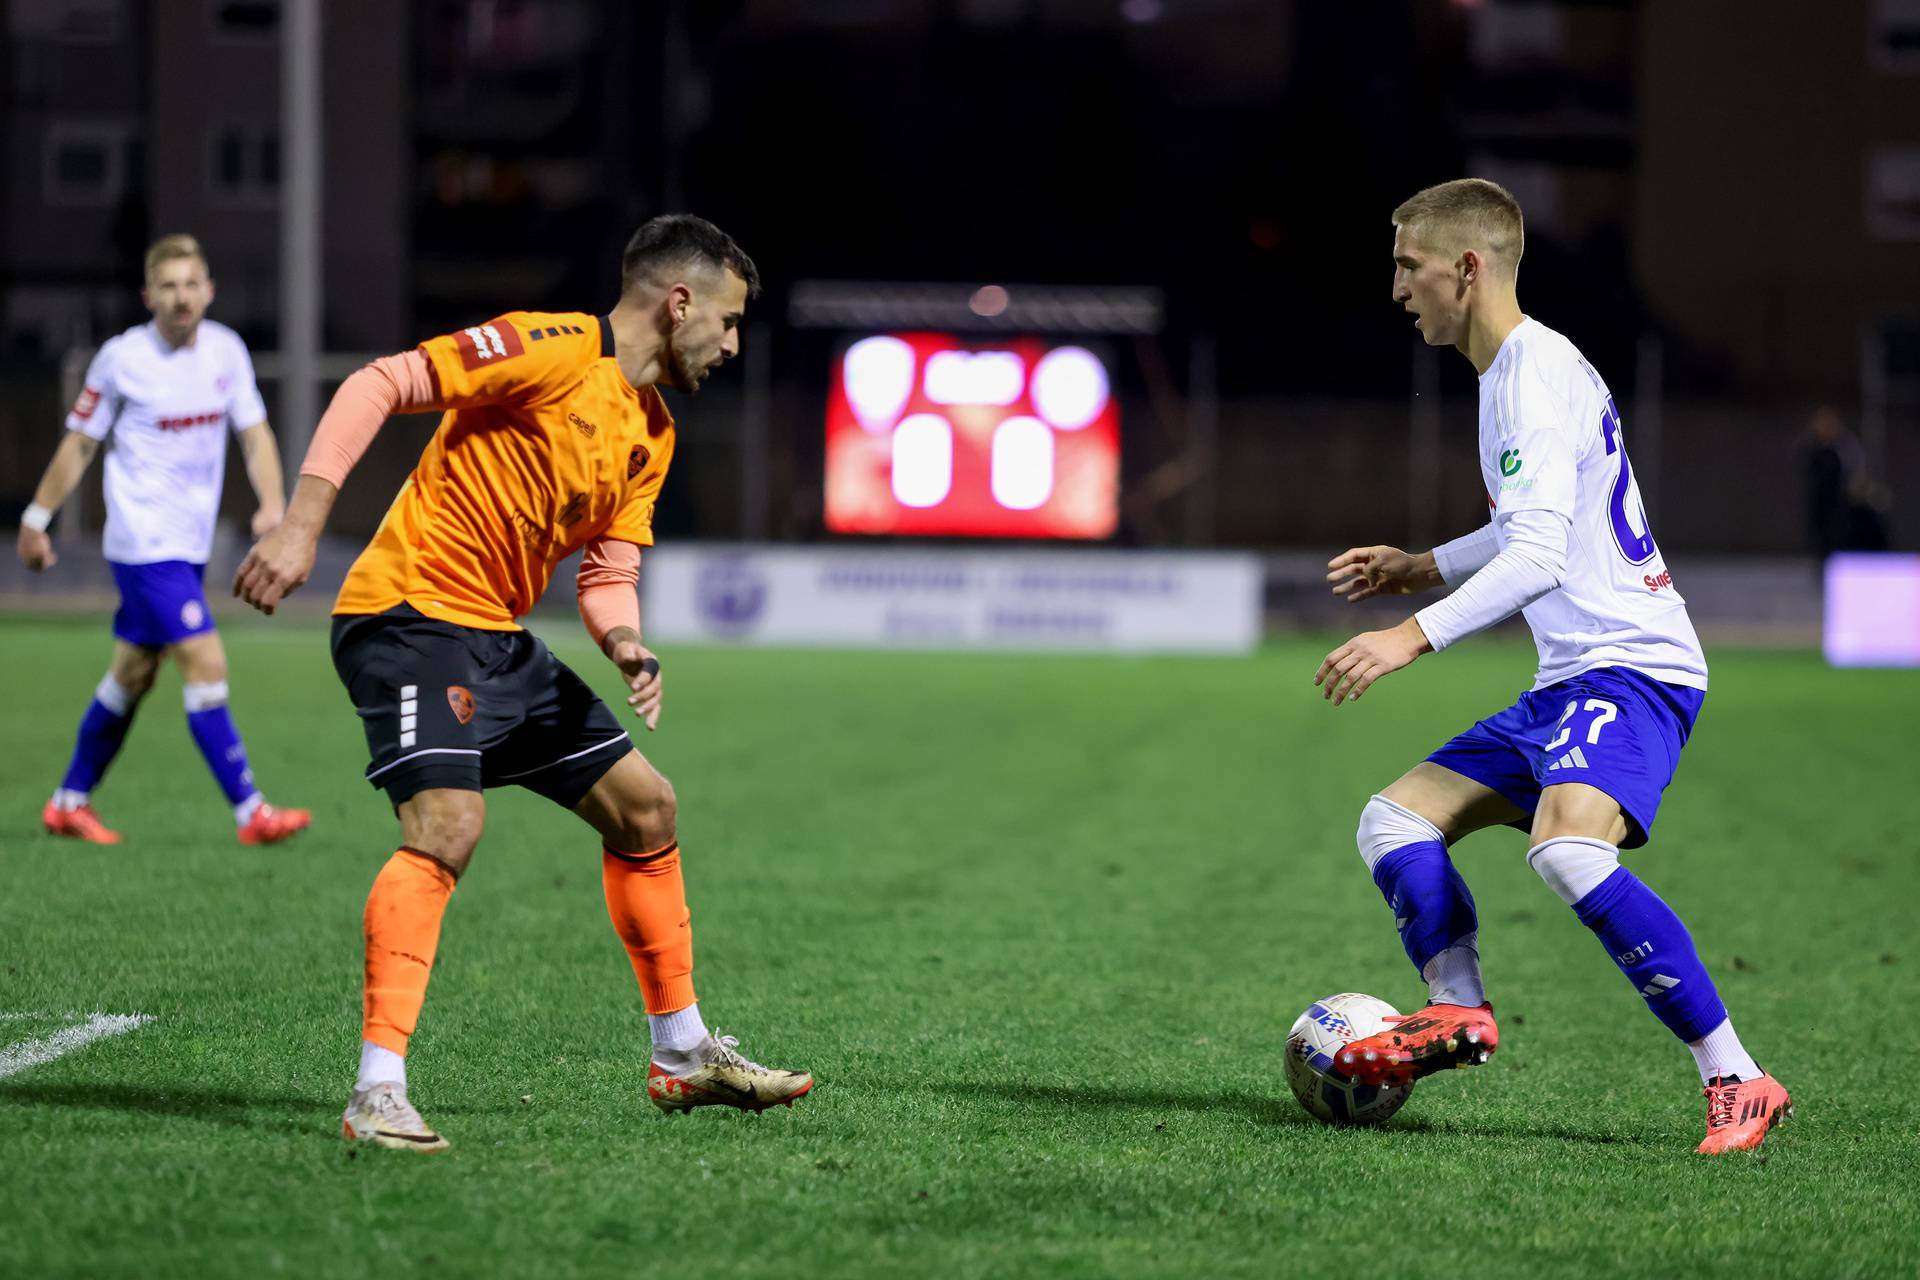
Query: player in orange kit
[[554, 440]]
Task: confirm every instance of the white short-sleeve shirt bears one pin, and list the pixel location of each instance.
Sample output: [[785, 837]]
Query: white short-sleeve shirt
[[1550, 440], [164, 412]]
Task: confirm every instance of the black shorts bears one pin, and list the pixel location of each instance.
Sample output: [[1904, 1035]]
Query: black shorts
[[452, 706]]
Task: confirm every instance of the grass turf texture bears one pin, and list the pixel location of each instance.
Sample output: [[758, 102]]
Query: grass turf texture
[[1039, 925]]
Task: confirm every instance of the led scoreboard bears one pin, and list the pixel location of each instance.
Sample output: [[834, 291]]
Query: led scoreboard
[[1010, 438]]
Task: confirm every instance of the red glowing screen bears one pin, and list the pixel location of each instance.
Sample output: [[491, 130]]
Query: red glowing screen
[[1010, 438]]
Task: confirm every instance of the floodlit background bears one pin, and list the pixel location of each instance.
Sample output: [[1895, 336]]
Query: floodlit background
[[1076, 352], [1724, 215]]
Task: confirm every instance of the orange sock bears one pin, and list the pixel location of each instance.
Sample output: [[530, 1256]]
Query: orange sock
[[403, 931], [647, 901]]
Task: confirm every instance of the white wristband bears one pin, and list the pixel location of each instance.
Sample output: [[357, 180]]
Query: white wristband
[[36, 517]]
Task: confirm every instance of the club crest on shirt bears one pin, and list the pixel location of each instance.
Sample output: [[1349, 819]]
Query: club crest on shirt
[[637, 460], [485, 344], [462, 703]]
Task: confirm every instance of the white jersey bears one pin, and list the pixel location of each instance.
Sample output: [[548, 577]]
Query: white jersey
[[168, 410], [1550, 440]]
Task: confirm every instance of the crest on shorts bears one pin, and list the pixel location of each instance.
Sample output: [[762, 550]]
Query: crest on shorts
[[637, 460], [462, 703]]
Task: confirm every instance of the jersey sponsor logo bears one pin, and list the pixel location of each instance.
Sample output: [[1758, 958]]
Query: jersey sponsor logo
[[1656, 584], [571, 513], [89, 401], [462, 703], [487, 343], [581, 425], [637, 460], [1510, 466], [188, 421]]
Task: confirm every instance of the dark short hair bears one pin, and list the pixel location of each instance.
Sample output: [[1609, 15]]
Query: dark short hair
[[675, 240]]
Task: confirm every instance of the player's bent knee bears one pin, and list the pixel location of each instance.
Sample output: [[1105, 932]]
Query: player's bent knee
[[1574, 809], [1386, 826], [134, 671], [118, 691], [446, 825], [201, 663], [648, 821]]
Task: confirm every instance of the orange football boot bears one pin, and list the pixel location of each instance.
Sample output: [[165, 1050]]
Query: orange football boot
[[77, 824], [1740, 1112], [269, 825], [1418, 1044]]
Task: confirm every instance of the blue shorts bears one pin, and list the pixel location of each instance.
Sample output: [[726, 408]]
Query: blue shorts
[[1611, 728], [161, 604]]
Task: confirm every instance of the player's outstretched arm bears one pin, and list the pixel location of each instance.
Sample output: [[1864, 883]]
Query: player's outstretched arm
[[69, 463], [1361, 573], [263, 472], [282, 560]]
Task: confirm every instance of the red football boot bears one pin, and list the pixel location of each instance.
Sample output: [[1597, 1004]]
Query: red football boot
[[77, 824], [1740, 1112], [269, 825], [1420, 1043]]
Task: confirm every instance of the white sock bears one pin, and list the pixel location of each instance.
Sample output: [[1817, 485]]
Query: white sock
[[243, 812], [1453, 976], [113, 695], [67, 801], [679, 1031], [379, 1065], [1722, 1054]]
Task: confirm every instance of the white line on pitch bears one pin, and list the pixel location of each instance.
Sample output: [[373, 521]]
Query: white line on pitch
[[34, 1053]]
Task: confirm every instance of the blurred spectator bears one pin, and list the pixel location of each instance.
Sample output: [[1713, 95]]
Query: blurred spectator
[[1843, 503]]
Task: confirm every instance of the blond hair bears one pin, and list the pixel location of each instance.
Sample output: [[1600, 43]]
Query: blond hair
[[1467, 213], [179, 245]]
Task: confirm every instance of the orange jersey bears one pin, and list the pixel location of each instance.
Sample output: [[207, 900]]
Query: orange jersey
[[545, 446]]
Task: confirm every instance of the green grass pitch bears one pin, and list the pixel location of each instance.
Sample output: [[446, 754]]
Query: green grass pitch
[[1039, 925]]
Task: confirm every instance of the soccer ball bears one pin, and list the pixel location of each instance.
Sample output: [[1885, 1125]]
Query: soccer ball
[[1321, 1032]]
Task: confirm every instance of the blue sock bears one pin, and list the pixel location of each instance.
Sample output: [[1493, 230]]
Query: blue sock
[[1431, 905], [1656, 953], [102, 729], [219, 740]]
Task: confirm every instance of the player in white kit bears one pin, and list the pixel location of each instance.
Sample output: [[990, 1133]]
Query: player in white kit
[[1581, 760], [162, 396]]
